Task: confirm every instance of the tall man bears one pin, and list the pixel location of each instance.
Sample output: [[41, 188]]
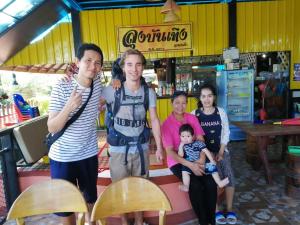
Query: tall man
[[73, 156], [130, 150]]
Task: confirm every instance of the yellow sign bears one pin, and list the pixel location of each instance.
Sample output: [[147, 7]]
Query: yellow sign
[[155, 38]]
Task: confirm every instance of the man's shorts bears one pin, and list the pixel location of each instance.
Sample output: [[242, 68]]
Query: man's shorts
[[82, 173], [119, 170]]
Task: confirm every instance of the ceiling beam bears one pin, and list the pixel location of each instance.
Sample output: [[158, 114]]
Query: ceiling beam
[[72, 4], [107, 4]]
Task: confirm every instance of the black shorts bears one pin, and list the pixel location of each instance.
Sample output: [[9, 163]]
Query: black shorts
[[83, 173]]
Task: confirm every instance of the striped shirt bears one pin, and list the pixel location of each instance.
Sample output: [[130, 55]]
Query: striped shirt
[[79, 141], [192, 150]]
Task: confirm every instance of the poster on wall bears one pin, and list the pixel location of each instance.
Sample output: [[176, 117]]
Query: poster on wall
[[155, 38], [296, 72]]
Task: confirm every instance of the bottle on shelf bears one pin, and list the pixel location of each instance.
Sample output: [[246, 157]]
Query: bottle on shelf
[[196, 86], [167, 89], [159, 90], [190, 87], [172, 89], [163, 90]]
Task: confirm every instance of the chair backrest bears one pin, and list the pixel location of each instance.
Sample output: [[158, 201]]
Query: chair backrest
[[47, 197], [23, 110], [22, 116], [30, 136], [19, 100], [131, 194]]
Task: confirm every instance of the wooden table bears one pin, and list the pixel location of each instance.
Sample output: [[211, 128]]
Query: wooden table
[[262, 133]]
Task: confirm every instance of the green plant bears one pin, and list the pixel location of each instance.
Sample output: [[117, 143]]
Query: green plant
[[4, 99]]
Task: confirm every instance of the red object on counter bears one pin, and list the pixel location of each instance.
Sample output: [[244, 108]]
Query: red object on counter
[[293, 121], [262, 114]]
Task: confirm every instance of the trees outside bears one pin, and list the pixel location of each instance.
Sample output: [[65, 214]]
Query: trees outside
[[35, 88]]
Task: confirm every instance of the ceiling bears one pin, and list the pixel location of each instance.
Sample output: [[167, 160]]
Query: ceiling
[[112, 4], [23, 20], [13, 11]]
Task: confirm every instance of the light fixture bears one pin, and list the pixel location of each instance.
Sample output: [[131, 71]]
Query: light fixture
[[169, 5], [171, 16], [169, 9]]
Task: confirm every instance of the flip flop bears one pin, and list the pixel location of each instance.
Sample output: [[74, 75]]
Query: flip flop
[[231, 218], [220, 218]]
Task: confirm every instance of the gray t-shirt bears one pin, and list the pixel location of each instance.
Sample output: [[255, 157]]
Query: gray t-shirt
[[130, 118]]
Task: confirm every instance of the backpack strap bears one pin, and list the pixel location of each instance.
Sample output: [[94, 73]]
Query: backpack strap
[[146, 97], [146, 102], [112, 111], [117, 102], [121, 91]]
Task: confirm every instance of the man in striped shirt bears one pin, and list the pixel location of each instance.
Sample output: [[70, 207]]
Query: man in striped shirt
[[73, 156]]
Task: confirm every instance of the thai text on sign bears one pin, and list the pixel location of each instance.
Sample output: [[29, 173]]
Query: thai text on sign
[[155, 38]]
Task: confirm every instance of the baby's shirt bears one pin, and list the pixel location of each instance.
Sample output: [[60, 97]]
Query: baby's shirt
[[192, 150]]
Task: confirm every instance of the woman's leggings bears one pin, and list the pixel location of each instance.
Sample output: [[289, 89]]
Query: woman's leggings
[[203, 195]]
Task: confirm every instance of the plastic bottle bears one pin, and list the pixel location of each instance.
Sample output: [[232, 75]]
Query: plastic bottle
[[196, 86], [172, 89], [163, 90]]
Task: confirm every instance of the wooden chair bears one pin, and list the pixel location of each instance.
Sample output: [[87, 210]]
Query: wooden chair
[[51, 196], [131, 194]]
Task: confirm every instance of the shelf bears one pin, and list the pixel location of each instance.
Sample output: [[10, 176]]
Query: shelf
[[238, 114], [169, 96]]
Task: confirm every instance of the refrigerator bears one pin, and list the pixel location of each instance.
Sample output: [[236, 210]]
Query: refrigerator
[[236, 95]]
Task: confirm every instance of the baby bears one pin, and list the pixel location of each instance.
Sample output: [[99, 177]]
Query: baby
[[192, 151]]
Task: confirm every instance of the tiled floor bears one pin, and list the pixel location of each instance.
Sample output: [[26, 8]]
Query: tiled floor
[[255, 202]]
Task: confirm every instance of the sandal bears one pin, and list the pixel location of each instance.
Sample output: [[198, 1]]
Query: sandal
[[231, 218], [220, 218]]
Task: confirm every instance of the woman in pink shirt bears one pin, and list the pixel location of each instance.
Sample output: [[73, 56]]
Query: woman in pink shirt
[[203, 189]]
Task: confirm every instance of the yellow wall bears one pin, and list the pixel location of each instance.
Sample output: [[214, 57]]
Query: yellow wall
[[261, 26], [270, 26], [56, 47], [209, 28], [164, 107]]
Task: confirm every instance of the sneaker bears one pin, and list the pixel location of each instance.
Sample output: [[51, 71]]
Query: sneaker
[[220, 218], [231, 218]]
